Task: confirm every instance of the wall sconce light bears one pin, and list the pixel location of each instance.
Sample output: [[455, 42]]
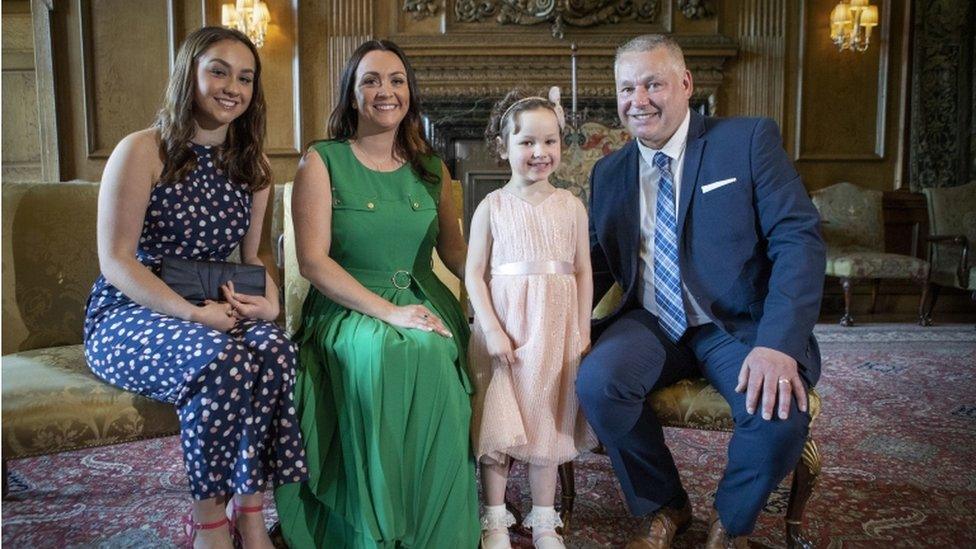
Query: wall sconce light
[[851, 24], [248, 16]]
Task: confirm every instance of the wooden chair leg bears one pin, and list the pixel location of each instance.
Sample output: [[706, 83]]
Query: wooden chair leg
[[933, 291], [513, 509], [875, 289], [923, 318], [847, 319], [567, 488], [804, 480]]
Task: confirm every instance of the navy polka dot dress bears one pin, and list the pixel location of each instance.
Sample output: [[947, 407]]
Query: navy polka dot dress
[[232, 391]]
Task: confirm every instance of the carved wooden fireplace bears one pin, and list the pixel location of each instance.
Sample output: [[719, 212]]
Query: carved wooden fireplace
[[468, 53]]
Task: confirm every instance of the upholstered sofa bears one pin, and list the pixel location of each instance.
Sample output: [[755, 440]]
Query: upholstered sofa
[[51, 401]]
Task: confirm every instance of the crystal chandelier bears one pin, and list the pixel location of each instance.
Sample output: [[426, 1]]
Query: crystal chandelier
[[248, 16], [851, 24]]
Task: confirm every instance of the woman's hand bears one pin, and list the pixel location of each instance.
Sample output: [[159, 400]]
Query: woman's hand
[[249, 306], [417, 317], [500, 346], [219, 316]]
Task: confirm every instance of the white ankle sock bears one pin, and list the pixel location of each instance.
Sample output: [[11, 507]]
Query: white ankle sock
[[542, 520], [496, 517]]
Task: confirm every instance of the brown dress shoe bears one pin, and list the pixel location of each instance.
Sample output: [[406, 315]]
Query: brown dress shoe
[[718, 538], [659, 528]]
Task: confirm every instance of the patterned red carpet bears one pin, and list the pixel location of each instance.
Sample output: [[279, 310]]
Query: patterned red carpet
[[897, 434]]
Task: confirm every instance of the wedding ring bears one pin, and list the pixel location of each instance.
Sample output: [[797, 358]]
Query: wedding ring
[[784, 380]]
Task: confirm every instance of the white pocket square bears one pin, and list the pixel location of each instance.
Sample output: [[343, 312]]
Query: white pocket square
[[712, 186]]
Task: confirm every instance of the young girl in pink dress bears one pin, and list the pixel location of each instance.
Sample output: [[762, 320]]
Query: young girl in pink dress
[[530, 283]]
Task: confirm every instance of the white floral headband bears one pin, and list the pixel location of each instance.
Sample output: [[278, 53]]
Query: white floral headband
[[553, 98]]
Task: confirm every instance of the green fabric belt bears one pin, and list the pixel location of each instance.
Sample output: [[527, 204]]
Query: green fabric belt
[[401, 279]]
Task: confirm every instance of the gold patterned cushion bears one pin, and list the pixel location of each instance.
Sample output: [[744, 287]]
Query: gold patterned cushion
[[49, 262], [53, 403], [296, 287], [860, 264], [593, 141], [694, 403]]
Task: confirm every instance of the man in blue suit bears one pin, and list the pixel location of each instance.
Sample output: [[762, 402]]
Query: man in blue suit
[[706, 226]]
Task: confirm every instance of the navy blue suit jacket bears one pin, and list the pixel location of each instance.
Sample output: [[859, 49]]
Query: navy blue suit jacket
[[749, 251]]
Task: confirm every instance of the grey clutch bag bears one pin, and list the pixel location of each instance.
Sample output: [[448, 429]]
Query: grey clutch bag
[[198, 281]]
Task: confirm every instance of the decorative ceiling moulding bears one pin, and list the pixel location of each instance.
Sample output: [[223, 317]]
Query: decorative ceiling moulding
[[558, 13]]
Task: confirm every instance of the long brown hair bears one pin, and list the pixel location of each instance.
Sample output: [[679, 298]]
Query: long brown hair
[[242, 154], [410, 143], [504, 118]]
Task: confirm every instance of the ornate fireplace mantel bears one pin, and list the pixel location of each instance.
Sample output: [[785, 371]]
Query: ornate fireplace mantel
[[465, 67], [461, 80], [466, 60]]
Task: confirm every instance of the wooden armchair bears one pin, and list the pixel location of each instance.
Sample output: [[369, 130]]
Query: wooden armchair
[[952, 231], [854, 231]]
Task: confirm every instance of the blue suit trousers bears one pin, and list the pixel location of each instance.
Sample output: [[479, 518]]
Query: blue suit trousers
[[632, 358]]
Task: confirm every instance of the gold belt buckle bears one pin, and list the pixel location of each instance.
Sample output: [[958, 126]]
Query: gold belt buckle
[[398, 279]]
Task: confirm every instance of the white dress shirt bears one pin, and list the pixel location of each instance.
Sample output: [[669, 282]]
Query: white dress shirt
[[649, 178]]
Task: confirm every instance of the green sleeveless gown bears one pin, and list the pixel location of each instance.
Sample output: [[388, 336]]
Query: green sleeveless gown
[[385, 411]]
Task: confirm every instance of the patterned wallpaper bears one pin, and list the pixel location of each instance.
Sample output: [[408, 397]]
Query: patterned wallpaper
[[943, 143]]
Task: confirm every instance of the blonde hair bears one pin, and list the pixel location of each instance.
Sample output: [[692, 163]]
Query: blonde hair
[[650, 42]]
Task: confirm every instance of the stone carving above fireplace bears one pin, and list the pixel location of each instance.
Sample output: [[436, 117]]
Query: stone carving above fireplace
[[558, 13], [466, 67]]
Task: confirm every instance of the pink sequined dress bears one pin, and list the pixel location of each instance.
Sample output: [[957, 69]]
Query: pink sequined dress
[[529, 411]]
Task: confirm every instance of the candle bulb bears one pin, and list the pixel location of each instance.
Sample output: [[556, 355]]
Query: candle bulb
[[573, 77]]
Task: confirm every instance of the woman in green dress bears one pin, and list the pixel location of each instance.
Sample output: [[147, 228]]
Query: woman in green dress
[[382, 390]]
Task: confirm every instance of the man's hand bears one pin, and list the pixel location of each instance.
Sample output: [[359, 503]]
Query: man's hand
[[774, 375]]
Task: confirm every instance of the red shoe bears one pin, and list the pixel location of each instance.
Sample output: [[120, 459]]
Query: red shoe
[[190, 527], [236, 510]]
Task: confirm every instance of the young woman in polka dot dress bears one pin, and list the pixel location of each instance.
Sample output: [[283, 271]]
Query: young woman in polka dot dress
[[196, 185]]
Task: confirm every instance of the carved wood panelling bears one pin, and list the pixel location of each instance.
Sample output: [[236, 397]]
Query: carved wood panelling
[[350, 24], [47, 119], [841, 107], [21, 134], [123, 84], [455, 66], [755, 83], [281, 62], [560, 15]]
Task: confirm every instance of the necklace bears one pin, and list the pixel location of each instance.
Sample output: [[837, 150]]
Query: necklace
[[377, 166]]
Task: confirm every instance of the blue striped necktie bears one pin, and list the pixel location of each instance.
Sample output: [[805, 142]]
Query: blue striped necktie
[[667, 274]]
